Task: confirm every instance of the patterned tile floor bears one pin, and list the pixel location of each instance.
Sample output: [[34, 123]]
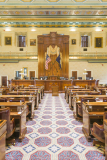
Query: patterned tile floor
[[54, 134]]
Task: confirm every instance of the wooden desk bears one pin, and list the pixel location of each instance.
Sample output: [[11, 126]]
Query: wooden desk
[[49, 83], [55, 91], [18, 112], [3, 126], [66, 89], [92, 112], [31, 108], [75, 90], [21, 116], [78, 98], [36, 91], [29, 99], [105, 131], [84, 83], [22, 93], [73, 93]]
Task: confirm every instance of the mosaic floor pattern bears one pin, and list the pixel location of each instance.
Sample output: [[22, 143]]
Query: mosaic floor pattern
[[54, 134]]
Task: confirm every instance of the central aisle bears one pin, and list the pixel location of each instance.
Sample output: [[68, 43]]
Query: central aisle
[[54, 134]]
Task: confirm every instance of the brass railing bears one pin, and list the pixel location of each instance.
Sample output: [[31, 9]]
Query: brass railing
[[88, 55], [18, 55]]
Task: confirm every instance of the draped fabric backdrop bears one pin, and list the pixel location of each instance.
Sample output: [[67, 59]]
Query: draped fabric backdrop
[[55, 43]]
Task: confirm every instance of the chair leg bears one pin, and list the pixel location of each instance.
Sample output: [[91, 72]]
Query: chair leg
[[97, 142], [10, 141]]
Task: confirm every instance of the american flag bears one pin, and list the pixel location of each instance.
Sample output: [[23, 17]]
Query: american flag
[[47, 61]]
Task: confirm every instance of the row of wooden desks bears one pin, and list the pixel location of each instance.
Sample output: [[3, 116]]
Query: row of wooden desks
[[76, 100], [30, 100]]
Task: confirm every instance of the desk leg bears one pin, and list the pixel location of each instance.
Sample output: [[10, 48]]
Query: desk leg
[[32, 110], [86, 125], [23, 127]]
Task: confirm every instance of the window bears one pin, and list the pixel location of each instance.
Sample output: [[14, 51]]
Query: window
[[22, 42], [84, 41], [18, 75]]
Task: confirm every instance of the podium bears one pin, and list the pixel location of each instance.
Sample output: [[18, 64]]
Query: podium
[[53, 77], [55, 91]]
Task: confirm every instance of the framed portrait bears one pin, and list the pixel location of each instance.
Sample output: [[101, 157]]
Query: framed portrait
[[98, 42], [32, 42], [73, 41], [8, 41]]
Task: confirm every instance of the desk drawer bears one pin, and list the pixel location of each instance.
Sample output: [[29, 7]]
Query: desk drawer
[[96, 117]]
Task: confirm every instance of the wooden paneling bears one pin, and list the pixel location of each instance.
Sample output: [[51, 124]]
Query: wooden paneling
[[61, 83], [53, 39]]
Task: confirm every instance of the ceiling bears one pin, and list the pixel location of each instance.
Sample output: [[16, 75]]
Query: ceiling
[[63, 13]]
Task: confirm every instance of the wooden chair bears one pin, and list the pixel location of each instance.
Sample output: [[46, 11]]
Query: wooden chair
[[80, 111], [98, 131], [5, 115], [3, 99]]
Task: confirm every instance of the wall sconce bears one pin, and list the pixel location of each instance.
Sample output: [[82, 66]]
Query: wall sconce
[[33, 29], [73, 29]]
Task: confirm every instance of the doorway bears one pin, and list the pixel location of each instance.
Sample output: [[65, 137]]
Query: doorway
[[74, 74], [31, 74], [89, 74], [4, 80]]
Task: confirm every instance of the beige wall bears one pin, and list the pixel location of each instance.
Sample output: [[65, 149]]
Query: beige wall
[[98, 71], [10, 68], [67, 31]]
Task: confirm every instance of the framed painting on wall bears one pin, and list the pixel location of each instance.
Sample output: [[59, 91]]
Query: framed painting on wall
[[32, 42], [98, 42], [73, 41], [8, 41]]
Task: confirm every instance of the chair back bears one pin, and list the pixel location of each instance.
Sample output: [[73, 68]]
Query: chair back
[[104, 99], [87, 99], [5, 115], [3, 99], [28, 93], [92, 93], [16, 99]]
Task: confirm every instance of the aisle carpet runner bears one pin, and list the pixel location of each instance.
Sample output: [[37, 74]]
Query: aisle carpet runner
[[54, 134]]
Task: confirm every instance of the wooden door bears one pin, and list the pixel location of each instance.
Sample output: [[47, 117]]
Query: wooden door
[[74, 74], [4, 80], [32, 74], [89, 74]]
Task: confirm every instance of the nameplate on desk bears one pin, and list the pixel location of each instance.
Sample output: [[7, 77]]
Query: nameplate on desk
[[2, 106], [19, 112], [90, 107], [18, 109]]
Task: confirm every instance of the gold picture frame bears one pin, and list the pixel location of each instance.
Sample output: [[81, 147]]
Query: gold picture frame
[[32, 42], [8, 41], [98, 42], [73, 41]]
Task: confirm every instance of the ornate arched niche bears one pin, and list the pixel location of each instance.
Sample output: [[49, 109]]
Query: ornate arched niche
[[53, 41]]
